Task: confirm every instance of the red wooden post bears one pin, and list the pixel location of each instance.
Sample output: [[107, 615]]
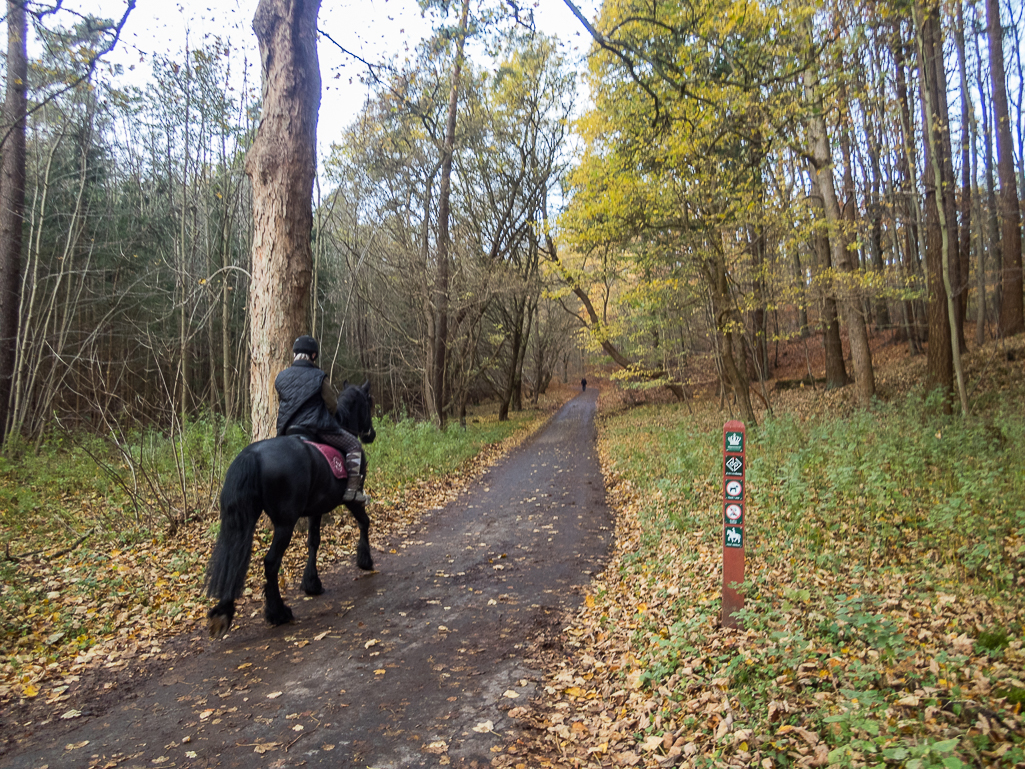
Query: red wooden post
[[733, 491]]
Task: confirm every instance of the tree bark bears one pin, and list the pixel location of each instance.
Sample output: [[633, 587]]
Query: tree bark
[[836, 368], [857, 332], [943, 309], [938, 244], [726, 319], [1012, 304], [967, 122], [441, 282], [12, 199], [281, 165]]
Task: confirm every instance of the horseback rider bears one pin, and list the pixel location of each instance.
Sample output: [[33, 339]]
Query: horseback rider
[[307, 406]]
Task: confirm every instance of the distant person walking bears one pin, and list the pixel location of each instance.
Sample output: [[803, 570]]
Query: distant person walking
[[583, 384]]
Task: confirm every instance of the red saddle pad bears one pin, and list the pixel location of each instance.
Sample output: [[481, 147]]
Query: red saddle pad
[[333, 457]]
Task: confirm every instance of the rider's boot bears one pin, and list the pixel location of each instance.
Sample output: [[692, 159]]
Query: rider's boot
[[354, 486]]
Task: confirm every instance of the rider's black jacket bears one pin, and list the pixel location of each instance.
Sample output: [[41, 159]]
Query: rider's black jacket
[[301, 402]]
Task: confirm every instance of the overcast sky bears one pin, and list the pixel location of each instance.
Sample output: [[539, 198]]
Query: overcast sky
[[373, 29]]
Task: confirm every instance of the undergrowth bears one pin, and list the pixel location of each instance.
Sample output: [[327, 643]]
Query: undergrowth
[[885, 560]]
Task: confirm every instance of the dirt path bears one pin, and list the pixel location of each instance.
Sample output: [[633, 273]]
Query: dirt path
[[414, 665]]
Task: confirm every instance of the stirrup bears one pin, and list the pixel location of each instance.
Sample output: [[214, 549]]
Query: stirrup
[[354, 495]]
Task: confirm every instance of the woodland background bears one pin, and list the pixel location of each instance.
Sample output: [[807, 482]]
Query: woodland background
[[741, 174]]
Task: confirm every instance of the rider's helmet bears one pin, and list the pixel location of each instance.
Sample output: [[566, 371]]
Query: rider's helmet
[[307, 345]]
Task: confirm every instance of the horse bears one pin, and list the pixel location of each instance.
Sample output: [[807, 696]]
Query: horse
[[288, 478]]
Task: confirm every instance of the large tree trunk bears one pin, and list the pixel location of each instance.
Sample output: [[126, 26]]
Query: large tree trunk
[[1012, 304], [439, 355], [12, 199], [967, 126], [726, 319], [850, 307], [939, 245], [281, 165], [832, 346]]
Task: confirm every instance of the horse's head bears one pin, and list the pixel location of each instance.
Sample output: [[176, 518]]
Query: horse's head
[[356, 410]]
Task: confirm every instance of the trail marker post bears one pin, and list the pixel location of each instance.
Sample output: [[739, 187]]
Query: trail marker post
[[733, 490]]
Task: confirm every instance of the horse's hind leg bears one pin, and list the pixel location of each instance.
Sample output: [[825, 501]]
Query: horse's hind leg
[[275, 611], [364, 560], [311, 582]]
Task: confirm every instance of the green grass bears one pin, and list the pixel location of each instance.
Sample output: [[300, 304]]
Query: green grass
[[885, 560], [407, 452]]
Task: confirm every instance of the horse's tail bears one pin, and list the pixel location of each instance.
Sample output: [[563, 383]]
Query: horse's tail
[[241, 505]]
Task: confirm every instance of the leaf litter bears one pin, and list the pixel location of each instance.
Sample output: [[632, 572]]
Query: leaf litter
[[844, 666]]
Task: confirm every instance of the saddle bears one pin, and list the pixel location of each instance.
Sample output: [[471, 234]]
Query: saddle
[[330, 453]]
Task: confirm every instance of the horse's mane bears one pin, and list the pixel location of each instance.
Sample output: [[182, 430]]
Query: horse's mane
[[351, 397]]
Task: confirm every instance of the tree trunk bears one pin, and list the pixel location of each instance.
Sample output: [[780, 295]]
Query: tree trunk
[[441, 281], [857, 333], [913, 310], [944, 359], [12, 199], [726, 320], [836, 368], [965, 243], [1012, 304], [281, 165]]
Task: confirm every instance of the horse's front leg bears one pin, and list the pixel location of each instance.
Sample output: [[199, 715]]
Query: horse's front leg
[[364, 560], [275, 611], [311, 582]]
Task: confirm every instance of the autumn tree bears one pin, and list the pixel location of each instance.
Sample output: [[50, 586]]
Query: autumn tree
[[1012, 310]]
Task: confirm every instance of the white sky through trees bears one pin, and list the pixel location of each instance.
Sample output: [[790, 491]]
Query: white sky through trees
[[374, 30]]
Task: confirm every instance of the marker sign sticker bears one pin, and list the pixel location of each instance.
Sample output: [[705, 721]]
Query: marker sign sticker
[[735, 441], [733, 462]]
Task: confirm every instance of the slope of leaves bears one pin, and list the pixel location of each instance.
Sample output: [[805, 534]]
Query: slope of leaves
[[884, 613], [88, 585]]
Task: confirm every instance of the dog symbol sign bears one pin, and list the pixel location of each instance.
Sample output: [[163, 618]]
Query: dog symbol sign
[[734, 490]]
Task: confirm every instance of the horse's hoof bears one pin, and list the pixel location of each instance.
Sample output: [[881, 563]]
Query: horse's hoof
[[219, 626], [219, 619], [313, 588], [282, 617]]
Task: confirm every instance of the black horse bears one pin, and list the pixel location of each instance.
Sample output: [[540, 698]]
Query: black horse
[[289, 479]]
